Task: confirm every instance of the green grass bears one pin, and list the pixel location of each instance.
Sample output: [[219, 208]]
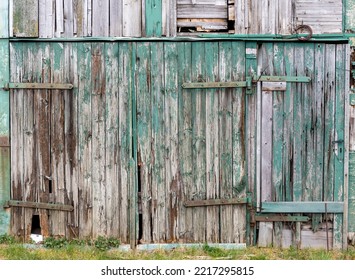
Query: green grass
[[108, 249]]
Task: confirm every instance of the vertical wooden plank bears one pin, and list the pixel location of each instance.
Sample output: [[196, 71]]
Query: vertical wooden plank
[[339, 149], [42, 119], [71, 142], [145, 143], [329, 112], [199, 141], [171, 153], [125, 135], [100, 18], [89, 14], [59, 17], [212, 144], [185, 139], [68, 31], [100, 188], [16, 134], [319, 140], [225, 141], [153, 18], [250, 128], [266, 60], [239, 186], [46, 18], [159, 185], [85, 140], [25, 18], [239, 10], [277, 142], [116, 8], [111, 140], [5, 179], [57, 181], [350, 12], [132, 18], [29, 139]]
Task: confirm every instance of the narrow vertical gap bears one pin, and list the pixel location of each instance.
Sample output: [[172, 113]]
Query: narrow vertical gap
[[140, 210]]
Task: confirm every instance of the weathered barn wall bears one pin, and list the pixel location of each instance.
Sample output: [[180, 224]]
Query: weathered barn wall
[[77, 146], [152, 18]]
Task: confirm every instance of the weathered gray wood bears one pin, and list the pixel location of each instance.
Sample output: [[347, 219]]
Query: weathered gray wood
[[68, 19], [116, 9], [100, 18], [132, 18], [85, 180], [25, 18], [212, 143], [100, 190]]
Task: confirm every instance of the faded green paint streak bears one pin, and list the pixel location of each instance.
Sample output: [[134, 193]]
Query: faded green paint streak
[[25, 18], [340, 89], [153, 18], [4, 188]]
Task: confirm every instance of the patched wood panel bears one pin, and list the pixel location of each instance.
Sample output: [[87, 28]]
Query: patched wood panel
[[25, 18]]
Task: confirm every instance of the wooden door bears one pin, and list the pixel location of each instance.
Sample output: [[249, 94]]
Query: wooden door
[[302, 145]]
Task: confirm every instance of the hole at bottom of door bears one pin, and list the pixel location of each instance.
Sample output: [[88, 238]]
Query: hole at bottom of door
[[36, 225]]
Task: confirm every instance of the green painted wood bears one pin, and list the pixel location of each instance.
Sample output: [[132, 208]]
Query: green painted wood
[[25, 18], [4, 19], [277, 145], [212, 164], [185, 139], [84, 61], [215, 84], [145, 152], [153, 18], [250, 132], [159, 128], [125, 139], [198, 140], [171, 129], [302, 207], [351, 193], [319, 66], [339, 149], [329, 121], [239, 156], [350, 15], [226, 141]]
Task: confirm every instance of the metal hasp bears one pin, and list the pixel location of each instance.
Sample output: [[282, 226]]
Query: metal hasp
[[37, 86], [38, 205], [248, 82], [216, 202]]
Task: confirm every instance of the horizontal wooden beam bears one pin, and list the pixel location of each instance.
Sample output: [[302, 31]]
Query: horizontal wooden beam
[[215, 85], [38, 86], [215, 202], [38, 205], [302, 207], [280, 218]]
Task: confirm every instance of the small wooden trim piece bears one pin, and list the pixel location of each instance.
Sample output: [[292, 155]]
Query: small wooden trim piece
[[4, 141], [274, 86], [38, 86], [280, 218], [215, 202], [38, 205], [302, 207]]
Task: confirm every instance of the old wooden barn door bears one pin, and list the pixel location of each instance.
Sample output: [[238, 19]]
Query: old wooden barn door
[[301, 145], [191, 142]]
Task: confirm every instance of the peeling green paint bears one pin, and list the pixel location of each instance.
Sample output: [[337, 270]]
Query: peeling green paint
[[153, 18]]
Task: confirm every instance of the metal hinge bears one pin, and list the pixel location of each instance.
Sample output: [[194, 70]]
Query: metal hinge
[[248, 83], [37, 86]]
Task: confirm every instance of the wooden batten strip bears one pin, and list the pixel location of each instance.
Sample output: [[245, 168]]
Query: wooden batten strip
[[215, 202], [302, 207], [38, 205]]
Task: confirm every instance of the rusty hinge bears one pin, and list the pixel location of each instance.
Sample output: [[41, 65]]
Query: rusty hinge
[[38, 205], [216, 202], [37, 86]]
